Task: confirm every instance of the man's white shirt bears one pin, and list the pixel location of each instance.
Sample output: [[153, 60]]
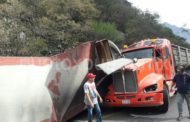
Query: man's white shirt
[[90, 88]]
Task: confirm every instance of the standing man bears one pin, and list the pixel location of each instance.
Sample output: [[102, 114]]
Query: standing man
[[90, 99], [182, 82]]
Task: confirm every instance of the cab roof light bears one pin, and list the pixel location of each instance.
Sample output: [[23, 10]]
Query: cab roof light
[[153, 40], [125, 46]]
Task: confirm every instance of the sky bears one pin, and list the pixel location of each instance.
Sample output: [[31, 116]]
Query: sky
[[174, 12]]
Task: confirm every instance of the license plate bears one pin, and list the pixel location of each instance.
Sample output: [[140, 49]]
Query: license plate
[[125, 101]]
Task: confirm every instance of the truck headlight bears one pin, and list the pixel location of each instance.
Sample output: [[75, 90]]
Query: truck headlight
[[150, 88]]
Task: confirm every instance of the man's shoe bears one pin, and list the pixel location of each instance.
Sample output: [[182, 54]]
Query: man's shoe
[[179, 118], [189, 117]]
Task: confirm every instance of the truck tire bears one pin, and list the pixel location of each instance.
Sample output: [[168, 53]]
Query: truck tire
[[164, 108]]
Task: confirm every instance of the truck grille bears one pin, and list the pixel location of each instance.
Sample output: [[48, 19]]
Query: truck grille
[[125, 81], [118, 82], [130, 81]]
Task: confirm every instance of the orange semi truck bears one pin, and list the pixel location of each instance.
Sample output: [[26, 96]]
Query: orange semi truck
[[147, 81]]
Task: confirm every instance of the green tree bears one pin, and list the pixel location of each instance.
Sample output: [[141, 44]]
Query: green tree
[[37, 47], [106, 30], [3, 1]]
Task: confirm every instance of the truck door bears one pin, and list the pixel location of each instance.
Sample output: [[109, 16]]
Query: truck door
[[168, 64], [159, 61]]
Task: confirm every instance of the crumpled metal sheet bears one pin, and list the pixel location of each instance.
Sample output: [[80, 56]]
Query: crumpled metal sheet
[[112, 66]]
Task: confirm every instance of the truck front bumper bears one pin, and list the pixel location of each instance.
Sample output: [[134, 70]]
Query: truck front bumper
[[134, 100]]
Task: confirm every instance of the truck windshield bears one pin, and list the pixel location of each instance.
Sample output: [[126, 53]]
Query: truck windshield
[[142, 53]]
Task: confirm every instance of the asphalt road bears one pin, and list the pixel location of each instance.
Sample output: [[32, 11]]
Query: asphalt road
[[138, 114]]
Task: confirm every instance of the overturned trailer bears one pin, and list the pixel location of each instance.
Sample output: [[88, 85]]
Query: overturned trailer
[[50, 89]]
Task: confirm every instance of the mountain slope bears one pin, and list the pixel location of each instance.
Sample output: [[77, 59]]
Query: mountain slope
[[185, 33]]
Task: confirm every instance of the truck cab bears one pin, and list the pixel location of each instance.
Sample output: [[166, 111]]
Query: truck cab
[[157, 49], [147, 81]]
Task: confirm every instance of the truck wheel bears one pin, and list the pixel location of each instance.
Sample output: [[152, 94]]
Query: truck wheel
[[164, 108]]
